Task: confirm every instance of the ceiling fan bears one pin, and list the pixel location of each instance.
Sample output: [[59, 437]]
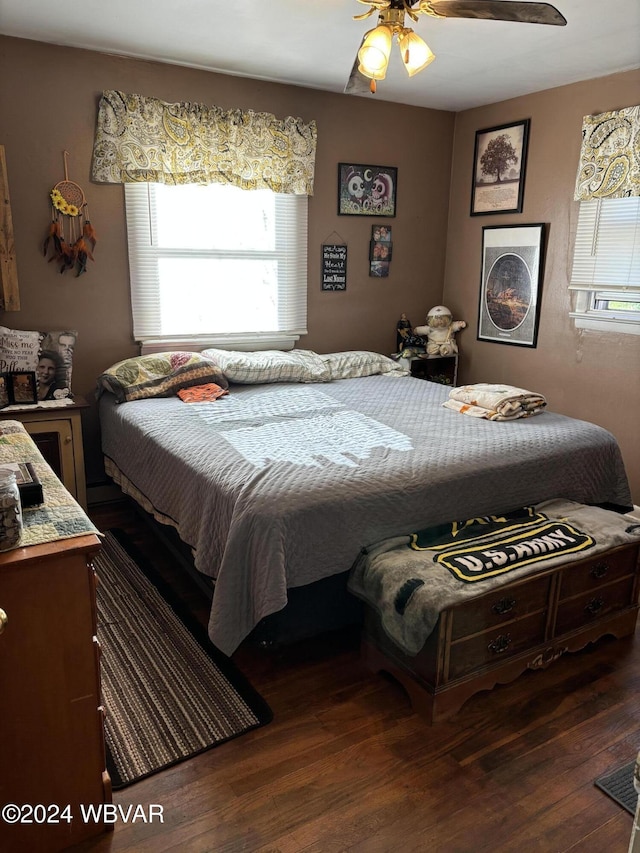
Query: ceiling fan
[[373, 54]]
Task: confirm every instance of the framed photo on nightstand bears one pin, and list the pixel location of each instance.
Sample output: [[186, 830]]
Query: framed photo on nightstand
[[4, 391], [22, 387]]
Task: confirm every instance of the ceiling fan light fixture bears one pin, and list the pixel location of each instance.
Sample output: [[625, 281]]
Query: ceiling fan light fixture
[[373, 56], [416, 54]]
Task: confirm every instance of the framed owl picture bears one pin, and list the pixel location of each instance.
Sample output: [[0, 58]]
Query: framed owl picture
[[367, 190]]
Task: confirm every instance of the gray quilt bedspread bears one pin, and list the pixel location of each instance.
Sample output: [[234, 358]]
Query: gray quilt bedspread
[[277, 486]]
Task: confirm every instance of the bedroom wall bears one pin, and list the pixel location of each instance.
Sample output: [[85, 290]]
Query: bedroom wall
[[48, 101], [588, 375]]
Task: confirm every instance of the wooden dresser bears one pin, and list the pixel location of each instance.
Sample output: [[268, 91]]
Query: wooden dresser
[[51, 719], [493, 638]]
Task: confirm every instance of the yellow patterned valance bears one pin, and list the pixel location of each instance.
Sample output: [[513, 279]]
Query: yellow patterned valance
[[141, 139], [610, 155]]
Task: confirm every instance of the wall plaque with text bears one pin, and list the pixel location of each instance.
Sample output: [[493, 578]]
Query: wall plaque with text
[[334, 266]]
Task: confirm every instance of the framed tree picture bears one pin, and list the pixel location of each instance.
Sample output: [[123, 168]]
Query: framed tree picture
[[510, 284], [499, 164]]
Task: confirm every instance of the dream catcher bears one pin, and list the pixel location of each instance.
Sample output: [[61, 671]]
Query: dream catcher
[[71, 236]]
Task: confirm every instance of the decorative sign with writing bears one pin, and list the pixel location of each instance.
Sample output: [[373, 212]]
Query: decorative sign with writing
[[19, 350], [334, 266]]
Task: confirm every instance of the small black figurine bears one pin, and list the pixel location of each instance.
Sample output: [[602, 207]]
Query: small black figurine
[[403, 329], [405, 338]]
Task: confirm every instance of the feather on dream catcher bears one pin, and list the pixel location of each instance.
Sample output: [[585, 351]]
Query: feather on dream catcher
[[71, 238]]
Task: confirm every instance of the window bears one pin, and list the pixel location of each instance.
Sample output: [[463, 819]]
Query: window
[[606, 265], [216, 265]]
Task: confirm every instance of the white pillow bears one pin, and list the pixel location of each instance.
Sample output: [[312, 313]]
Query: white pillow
[[355, 363], [253, 368]]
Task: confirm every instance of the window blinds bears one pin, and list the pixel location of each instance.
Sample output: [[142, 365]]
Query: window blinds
[[159, 298], [607, 248]]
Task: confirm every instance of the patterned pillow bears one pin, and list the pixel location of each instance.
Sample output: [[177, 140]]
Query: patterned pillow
[[18, 350], [355, 363], [158, 375], [254, 368]]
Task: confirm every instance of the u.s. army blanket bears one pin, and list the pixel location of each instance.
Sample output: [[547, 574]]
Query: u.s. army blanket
[[411, 579]]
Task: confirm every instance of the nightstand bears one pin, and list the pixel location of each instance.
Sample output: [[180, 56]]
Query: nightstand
[[57, 432], [442, 369]]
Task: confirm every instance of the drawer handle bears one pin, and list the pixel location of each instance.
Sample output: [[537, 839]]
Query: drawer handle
[[3, 620], [500, 644], [505, 605], [599, 570], [594, 606]]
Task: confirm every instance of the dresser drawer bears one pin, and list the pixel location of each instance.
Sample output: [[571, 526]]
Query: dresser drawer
[[603, 569], [492, 646], [503, 605], [580, 611]]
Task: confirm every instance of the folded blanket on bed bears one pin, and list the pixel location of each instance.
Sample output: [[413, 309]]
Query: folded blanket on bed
[[495, 402], [202, 393]]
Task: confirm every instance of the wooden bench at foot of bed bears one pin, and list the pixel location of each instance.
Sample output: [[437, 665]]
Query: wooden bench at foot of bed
[[493, 638]]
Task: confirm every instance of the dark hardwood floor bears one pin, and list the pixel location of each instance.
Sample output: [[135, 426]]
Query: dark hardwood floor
[[346, 766]]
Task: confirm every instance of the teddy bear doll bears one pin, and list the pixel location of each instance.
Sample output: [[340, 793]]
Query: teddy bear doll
[[440, 331]]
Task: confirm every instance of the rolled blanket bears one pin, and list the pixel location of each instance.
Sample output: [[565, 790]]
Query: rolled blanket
[[202, 393], [495, 402]]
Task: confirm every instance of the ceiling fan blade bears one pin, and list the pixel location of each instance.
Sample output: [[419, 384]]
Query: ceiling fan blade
[[357, 84], [501, 10]]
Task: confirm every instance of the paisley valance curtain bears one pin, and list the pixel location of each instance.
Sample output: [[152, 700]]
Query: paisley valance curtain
[[610, 155], [142, 139]]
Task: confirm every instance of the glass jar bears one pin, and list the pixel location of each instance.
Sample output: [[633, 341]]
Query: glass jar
[[10, 511]]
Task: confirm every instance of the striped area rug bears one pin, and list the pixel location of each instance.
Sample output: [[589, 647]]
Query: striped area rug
[[167, 694]]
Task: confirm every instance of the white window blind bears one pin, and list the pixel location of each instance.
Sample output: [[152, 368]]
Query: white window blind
[[606, 265], [216, 265]]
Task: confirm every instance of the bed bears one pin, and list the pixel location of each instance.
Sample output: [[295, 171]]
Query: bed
[[277, 485]]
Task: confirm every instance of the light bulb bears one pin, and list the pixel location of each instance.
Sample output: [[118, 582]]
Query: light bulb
[[416, 54], [373, 56]]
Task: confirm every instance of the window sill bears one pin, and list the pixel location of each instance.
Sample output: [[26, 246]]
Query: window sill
[[620, 327], [243, 343]]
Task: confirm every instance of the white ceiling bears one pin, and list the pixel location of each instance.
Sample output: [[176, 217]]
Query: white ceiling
[[313, 43]]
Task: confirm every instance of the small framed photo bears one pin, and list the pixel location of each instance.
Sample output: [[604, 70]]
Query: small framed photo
[[381, 233], [511, 283], [380, 251], [4, 391], [499, 163], [366, 190], [379, 269], [23, 388]]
